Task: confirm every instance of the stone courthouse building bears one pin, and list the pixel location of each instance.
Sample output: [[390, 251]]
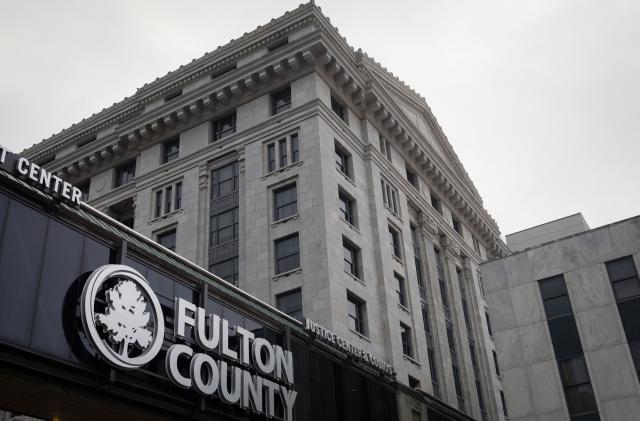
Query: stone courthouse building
[[305, 173]]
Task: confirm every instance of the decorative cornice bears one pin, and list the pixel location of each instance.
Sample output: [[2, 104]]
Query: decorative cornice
[[207, 64]]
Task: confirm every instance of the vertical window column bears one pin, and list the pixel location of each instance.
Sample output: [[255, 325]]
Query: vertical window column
[[626, 289], [565, 339]]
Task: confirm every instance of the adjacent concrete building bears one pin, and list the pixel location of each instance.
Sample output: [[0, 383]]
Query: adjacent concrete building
[[544, 233], [565, 318], [304, 172]]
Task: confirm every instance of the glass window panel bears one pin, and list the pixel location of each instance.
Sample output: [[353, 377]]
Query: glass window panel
[[553, 287], [620, 269], [557, 306], [588, 417], [630, 316], [564, 336], [580, 399], [573, 371], [4, 204], [63, 250], [627, 288], [20, 264], [295, 148]]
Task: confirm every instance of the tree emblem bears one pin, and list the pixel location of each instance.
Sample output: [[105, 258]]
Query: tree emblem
[[126, 317]]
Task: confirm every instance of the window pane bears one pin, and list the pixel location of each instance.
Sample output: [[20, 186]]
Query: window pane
[[580, 399], [557, 306], [630, 316], [564, 336], [626, 288], [620, 269], [553, 287], [573, 371]]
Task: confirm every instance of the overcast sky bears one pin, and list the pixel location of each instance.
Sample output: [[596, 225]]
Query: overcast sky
[[539, 98]]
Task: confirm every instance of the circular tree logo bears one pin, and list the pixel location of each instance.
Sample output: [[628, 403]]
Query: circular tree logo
[[122, 316]]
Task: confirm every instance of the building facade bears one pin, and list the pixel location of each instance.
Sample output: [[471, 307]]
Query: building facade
[[565, 321], [300, 170]]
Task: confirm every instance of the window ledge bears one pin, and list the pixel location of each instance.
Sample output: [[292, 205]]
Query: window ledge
[[350, 226], [346, 177], [411, 360], [355, 278], [287, 273], [360, 335], [285, 220], [397, 259], [281, 170], [166, 216], [403, 308], [393, 213]]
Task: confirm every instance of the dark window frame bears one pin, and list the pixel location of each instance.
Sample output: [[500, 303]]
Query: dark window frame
[[125, 173], [223, 126], [280, 258], [281, 100], [279, 209], [359, 319], [297, 311]]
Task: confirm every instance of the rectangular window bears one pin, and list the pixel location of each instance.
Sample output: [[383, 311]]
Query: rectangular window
[[224, 126], [168, 199], [385, 147], [401, 290], [224, 227], [285, 202], [495, 362], [412, 177], [282, 152], [290, 303], [396, 246], [158, 206], [170, 150], [390, 197], [343, 160], [346, 206], [415, 415], [168, 239], [356, 312], [178, 201], [282, 148], [407, 340], [417, 259], [457, 225], [226, 269], [504, 405], [442, 281], [224, 180], [476, 244], [351, 255], [626, 289], [338, 109], [436, 204], [486, 316], [566, 344], [281, 100], [125, 173], [295, 148], [271, 157], [287, 254]]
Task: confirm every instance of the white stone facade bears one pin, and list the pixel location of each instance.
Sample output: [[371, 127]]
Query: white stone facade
[[528, 362], [317, 64]]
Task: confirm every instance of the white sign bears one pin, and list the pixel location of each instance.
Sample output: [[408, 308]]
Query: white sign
[[331, 338], [133, 331], [3, 154], [49, 181]]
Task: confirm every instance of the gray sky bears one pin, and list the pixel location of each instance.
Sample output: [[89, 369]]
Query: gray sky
[[539, 98]]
